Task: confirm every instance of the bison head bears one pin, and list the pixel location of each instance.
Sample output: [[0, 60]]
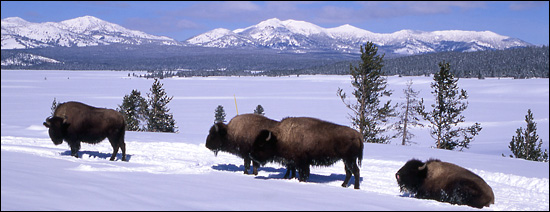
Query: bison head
[[264, 147], [57, 128], [217, 137], [411, 176]]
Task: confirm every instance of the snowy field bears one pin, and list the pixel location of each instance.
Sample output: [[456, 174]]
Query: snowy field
[[175, 171]]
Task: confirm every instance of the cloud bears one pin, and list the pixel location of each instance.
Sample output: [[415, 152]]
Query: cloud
[[526, 5], [161, 25]]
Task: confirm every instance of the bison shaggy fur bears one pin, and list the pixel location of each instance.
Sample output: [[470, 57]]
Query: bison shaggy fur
[[76, 122], [444, 182], [302, 141], [238, 136]]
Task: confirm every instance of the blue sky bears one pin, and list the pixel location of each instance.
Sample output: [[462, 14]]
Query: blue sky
[[528, 21]]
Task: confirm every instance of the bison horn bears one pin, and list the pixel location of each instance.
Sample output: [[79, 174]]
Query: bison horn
[[47, 123], [268, 137], [64, 119], [422, 167]]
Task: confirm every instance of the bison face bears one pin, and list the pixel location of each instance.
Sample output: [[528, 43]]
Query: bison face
[[57, 129], [411, 176], [217, 137], [264, 147]]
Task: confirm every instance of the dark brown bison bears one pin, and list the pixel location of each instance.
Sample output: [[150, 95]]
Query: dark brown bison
[[238, 136], [76, 122], [301, 142], [444, 182]]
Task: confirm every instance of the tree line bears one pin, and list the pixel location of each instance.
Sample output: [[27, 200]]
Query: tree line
[[371, 117]]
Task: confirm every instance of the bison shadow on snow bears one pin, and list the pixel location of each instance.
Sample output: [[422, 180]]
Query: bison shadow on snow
[[96, 154], [278, 173]]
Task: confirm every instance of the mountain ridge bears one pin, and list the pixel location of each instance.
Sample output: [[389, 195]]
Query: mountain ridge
[[300, 35], [290, 35]]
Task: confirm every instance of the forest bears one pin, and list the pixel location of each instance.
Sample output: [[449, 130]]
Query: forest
[[180, 61]]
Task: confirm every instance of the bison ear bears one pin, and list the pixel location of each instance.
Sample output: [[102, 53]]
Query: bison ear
[[220, 128]]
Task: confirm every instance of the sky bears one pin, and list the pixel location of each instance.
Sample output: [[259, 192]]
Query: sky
[[525, 20]]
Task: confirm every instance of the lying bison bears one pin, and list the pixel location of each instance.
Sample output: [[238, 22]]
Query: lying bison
[[75, 122], [238, 136], [444, 182], [301, 142]]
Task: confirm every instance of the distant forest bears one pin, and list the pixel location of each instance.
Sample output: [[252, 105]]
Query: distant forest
[[167, 61]]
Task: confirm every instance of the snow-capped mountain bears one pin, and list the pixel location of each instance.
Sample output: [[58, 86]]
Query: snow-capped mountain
[[288, 35], [305, 36], [82, 31]]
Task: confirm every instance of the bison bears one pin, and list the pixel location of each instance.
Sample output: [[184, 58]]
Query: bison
[[76, 122], [238, 136], [444, 182], [299, 142]]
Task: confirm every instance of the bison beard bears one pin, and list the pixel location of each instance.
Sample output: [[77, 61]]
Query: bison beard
[[444, 182], [76, 122]]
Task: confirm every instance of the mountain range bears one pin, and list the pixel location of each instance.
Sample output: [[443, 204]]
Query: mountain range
[[83, 31], [289, 36]]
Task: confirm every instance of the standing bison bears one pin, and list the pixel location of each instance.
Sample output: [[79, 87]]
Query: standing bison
[[301, 142], [76, 122], [444, 182], [238, 136]]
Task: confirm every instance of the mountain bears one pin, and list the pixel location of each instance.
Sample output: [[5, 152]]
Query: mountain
[[83, 31], [301, 36]]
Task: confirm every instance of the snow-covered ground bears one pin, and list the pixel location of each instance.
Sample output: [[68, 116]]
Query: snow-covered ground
[[174, 171]]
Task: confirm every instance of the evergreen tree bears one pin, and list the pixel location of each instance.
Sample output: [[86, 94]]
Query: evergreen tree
[[408, 118], [54, 105], [219, 114], [370, 85], [259, 110], [159, 119], [524, 144], [134, 109], [446, 113]]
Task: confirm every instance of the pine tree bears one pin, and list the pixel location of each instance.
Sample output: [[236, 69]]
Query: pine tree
[[54, 105], [159, 119], [259, 110], [219, 114], [370, 85], [134, 109], [408, 118], [446, 113], [524, 144]]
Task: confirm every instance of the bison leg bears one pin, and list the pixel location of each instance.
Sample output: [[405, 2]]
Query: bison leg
[[75, 146], [246, 165], [351, 167], [123, 148], [303, 171], [290, 168], [115, 150], [118, 142], [356, 174], [255, 166]]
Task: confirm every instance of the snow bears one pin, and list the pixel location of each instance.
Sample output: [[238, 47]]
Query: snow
[[175, 171], [72, 32]]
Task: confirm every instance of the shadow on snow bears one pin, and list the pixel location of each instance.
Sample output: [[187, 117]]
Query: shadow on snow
[[96, 154], [279, 173]]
